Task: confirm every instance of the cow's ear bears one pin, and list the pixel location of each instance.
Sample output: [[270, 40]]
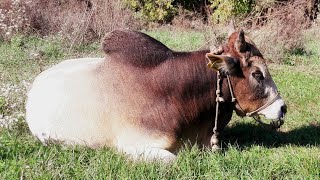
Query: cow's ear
[[241, 44], [222, 63], [231, 28]]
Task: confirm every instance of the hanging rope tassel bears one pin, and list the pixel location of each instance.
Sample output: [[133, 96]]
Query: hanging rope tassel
[[214, 141]]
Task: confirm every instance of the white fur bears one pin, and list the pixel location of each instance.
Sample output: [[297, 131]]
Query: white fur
[[58, 92], [274, 110], [66, 104], [149, 154]]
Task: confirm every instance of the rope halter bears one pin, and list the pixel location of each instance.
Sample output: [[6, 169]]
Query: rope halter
[[214, 139]]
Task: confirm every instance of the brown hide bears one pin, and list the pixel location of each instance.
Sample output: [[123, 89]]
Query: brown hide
[[175, 94], [147, 100], [179, 84], [243, 49], [135, 48], [249, 95]]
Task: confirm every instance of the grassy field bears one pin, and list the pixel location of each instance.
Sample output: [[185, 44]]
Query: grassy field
[[250, 152]]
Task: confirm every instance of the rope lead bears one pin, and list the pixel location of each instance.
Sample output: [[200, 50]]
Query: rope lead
[[214, 138]]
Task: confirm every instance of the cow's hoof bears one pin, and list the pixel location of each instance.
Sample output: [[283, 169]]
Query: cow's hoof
[[215, 148]]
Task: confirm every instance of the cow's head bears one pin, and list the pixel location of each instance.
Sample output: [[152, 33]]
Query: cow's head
[[251, 81]]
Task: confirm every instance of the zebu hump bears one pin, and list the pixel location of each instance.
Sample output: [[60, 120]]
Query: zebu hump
[[135, 48]]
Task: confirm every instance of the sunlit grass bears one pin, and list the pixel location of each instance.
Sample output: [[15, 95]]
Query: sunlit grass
[[180, 40], [249, 151]]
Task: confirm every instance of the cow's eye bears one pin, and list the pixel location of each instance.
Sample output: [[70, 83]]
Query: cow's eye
[[258, 75]]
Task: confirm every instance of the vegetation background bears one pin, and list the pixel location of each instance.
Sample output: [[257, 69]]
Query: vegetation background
[[34, 35]]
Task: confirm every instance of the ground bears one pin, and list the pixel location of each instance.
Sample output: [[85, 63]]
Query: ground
[[249, 151]]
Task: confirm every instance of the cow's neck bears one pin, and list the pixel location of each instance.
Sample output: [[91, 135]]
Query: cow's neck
[[195, 87], [183, 75], [188, 86]]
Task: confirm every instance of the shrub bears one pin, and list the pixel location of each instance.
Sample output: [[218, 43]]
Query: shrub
[[76, 20], [13, 18], [165, 10], [224, 10], [189, 20], [80, 20], [153, 11], [279, 32]]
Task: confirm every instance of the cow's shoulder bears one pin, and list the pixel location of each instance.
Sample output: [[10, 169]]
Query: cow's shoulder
[[134, 48]]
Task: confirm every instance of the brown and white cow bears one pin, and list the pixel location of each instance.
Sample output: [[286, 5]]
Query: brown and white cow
[[146, 100]]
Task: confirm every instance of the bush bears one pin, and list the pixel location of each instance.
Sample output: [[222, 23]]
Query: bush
[[189, 20], [281, 33], [153, 11], [80, 20], [76, 20], [224, 10], [13, 18], [165, 10]]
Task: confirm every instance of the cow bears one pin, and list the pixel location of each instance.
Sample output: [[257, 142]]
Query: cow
[[147, 100]]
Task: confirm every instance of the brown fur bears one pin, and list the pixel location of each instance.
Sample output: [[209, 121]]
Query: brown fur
[[135, 48], [145, 99], [172, 93], [251, 96]]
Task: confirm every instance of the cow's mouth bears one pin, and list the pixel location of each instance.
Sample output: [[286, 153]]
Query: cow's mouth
[[275, 124]]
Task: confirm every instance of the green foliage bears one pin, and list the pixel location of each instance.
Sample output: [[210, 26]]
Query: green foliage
[[223, 10], [153, 11]]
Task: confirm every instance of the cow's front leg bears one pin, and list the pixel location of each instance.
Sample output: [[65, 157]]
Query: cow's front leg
[[151, 154], [158, 154]]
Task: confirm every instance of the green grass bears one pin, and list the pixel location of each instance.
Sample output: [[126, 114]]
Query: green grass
[[250, 152], [180, 40], [18, 63], [22, 155]]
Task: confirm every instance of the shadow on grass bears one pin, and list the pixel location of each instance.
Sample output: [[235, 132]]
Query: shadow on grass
[[245, 135]]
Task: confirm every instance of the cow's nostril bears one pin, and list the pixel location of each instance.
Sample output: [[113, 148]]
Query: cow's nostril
[[284, 109]]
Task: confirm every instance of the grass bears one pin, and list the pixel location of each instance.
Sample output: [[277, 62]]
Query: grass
[[181, 40], [250, 152]]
